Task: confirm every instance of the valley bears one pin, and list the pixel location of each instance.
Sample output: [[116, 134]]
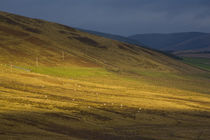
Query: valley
[[57, 82]]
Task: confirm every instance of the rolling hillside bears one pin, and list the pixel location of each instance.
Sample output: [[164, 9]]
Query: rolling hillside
[[25, 40], [57, 82]]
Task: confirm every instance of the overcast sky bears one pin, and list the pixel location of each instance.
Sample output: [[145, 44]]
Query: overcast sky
[[123, 17]]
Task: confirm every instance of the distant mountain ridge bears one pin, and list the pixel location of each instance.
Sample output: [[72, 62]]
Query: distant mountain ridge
[[178, 43], [174, 41], [113, 37]]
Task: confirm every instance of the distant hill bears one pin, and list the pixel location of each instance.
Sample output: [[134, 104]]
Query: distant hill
[[114, 37], [189, 43]]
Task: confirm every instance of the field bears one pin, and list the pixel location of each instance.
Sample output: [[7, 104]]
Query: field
[[102, 106], [203, 63], [60, 83]]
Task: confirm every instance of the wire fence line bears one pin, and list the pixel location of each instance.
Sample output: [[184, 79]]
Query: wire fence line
[[11, 67]]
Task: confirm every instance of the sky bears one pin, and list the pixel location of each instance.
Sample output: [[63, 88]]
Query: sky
[[122, 17]]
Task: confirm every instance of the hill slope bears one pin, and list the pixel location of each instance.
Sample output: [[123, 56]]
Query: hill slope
[[24, 40], [60, 83], [29, 38]]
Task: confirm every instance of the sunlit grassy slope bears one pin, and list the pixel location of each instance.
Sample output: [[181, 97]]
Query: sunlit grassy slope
[[60, 83]]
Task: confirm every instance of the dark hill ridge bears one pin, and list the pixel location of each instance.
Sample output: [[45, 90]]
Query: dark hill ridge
[[168, 41], [177, 43], [23, 40]]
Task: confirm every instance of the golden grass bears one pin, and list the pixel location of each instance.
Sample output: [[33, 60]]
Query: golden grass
[[114, 107]]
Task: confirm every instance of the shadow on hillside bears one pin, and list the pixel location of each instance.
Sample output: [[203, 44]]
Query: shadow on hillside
[[158, 124], [30, 124]]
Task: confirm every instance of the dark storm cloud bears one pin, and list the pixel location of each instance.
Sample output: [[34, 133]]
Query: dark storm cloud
[[119, 16]]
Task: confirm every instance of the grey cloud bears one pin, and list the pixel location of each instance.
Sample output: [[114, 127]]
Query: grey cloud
[[119, 16]]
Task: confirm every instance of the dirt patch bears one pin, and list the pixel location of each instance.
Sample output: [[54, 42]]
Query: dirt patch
[[12, 22], [7, 20], [62, 116], [89, 42], [94, 116], [13, 32], [124, 114], [37, 41], [33, 30]]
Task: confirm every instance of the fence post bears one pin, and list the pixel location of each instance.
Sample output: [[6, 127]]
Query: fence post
[[37, 61], [63, 55]]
